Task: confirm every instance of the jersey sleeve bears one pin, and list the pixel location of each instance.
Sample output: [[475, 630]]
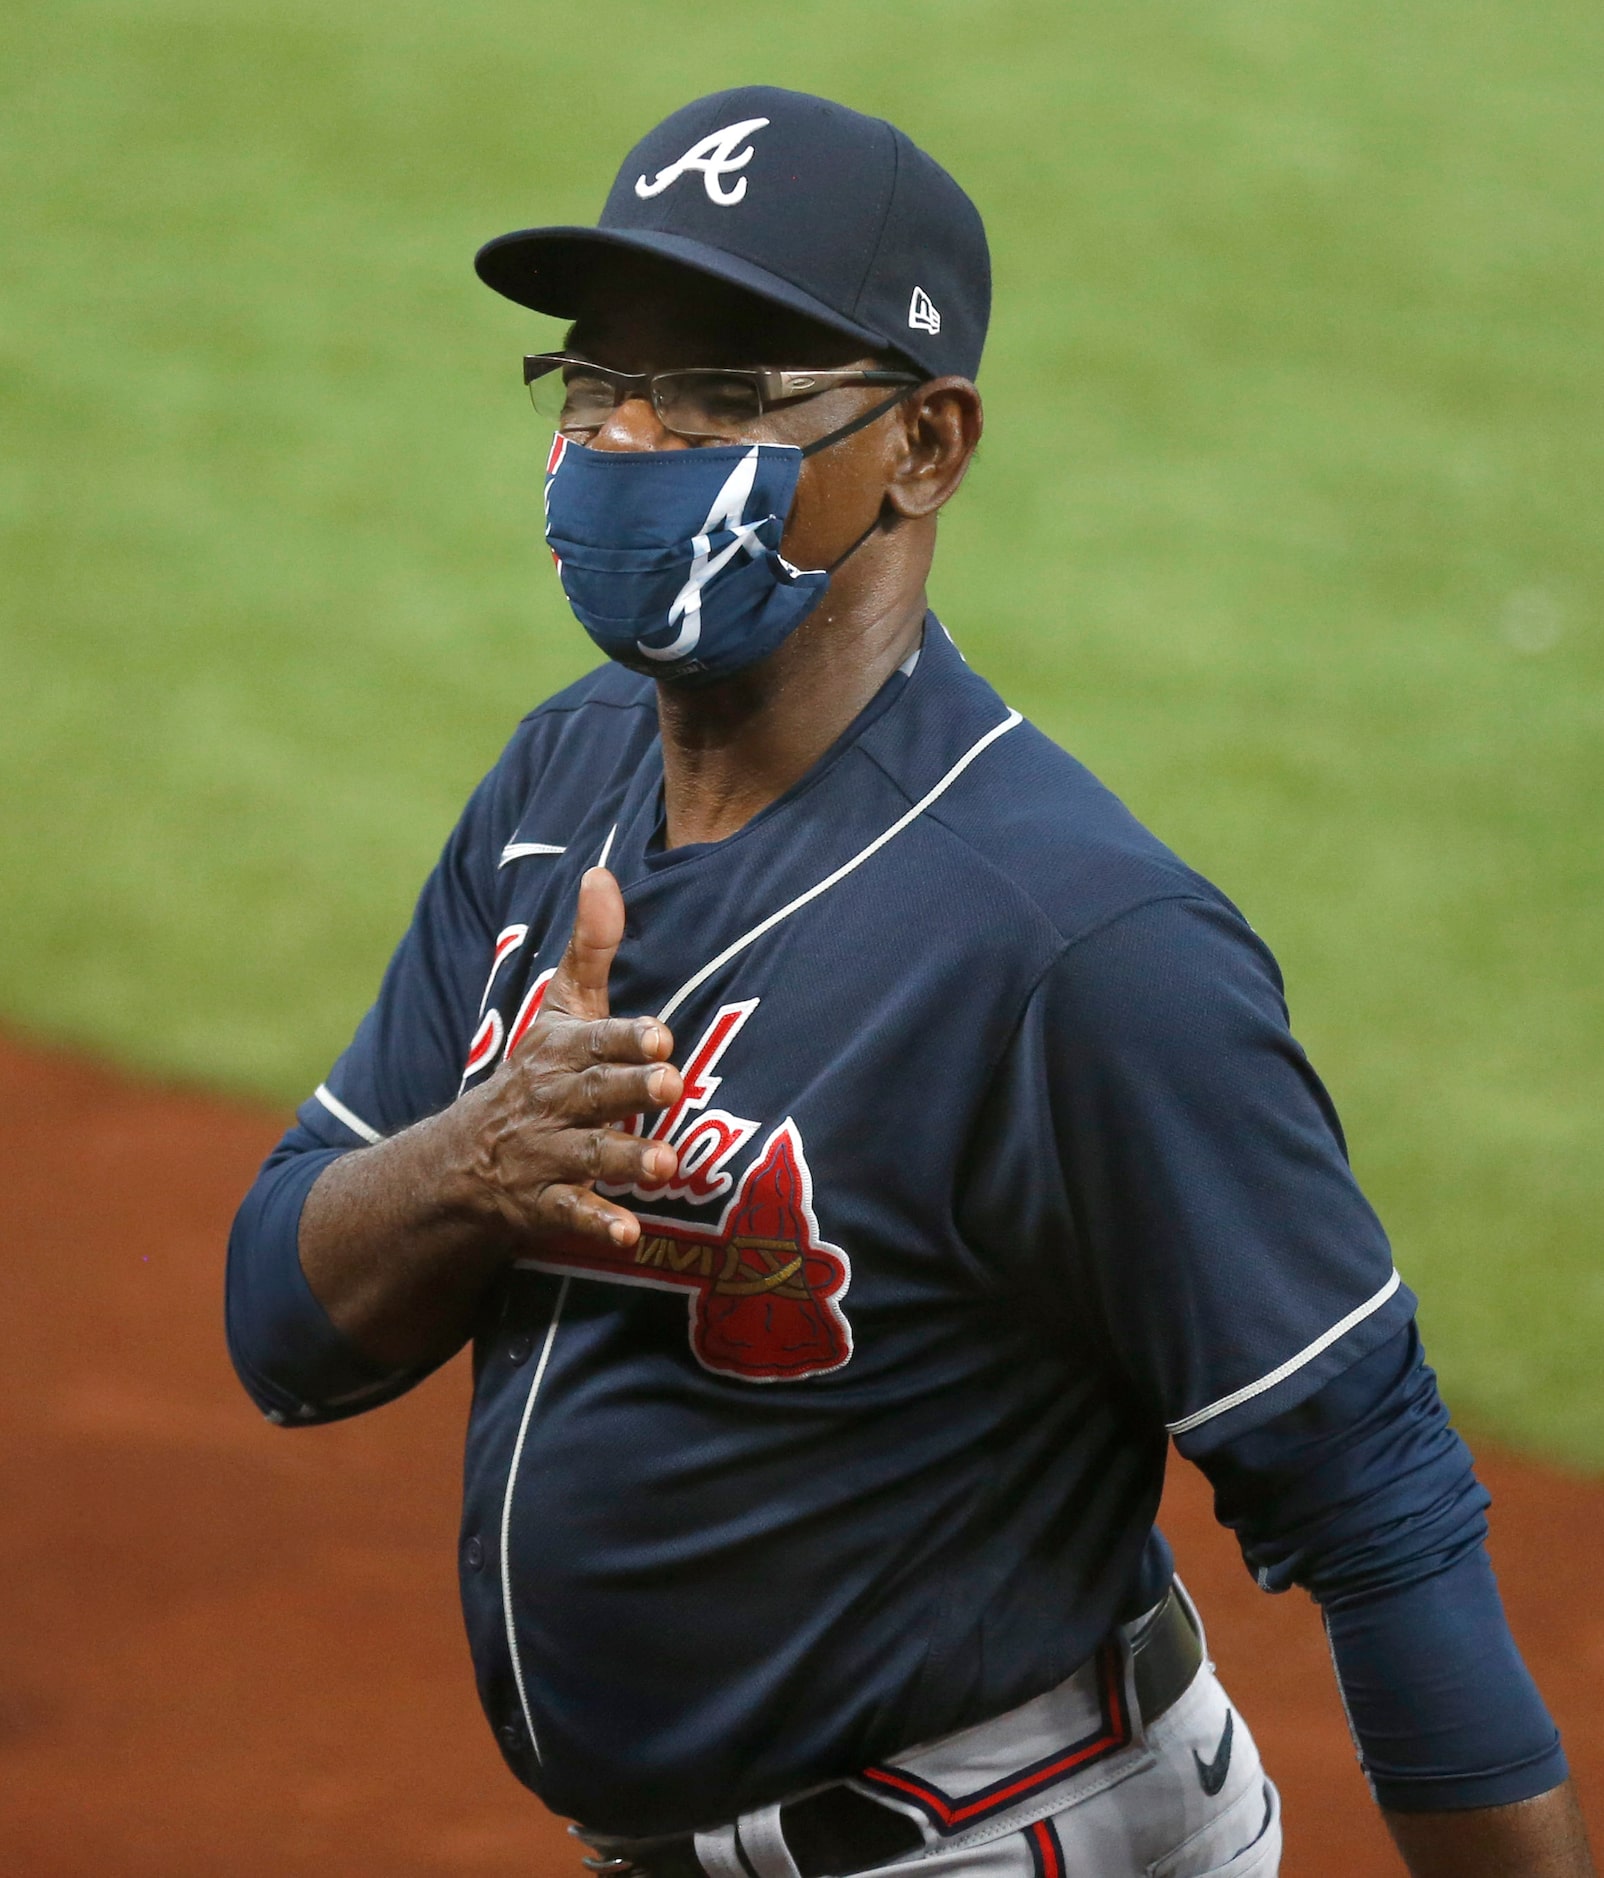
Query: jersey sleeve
[[1158, 1161], [1365, 1495], [404, 1063]]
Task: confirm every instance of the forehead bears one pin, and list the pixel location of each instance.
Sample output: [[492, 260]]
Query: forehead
[[638, 312]]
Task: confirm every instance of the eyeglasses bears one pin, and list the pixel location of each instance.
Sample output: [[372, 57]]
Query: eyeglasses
[[578, 397]]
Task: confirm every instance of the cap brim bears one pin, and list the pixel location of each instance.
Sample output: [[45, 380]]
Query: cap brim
[[544, 269]]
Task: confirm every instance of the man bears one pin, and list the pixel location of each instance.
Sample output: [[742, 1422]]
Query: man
[[833, 1301]]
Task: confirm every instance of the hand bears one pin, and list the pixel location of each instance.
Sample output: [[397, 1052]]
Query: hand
[[540, 1125], [400, 1241]]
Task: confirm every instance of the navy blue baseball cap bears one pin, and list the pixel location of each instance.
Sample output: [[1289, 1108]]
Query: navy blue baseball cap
[[798, 200]]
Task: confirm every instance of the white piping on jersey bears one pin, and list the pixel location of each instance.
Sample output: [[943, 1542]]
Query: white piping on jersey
[[1290, 1367], [506, 1513], [517, 850], [341, 1113], [607, 846], [840, 874]]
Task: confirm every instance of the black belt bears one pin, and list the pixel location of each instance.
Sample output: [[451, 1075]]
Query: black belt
[[1166, 1653], [840, 1831]]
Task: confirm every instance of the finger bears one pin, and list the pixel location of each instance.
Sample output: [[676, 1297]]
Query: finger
[[585, 1215], [616, 1159], [580, 986], [606, 1093], [575, 1044]]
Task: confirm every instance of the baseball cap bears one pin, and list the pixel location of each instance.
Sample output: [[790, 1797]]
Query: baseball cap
[[798, 200]]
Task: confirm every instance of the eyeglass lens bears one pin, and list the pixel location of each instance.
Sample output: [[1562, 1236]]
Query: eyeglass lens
[[690, 402]]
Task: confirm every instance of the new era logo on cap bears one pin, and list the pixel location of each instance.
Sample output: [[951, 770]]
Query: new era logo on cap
[[715, 157], [795, 199], [922, 315]]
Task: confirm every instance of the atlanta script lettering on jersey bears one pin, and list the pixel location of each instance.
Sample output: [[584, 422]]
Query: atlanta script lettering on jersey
[[763, 1285]]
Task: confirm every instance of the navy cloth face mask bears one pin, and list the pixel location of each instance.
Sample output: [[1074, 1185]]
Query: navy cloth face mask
[[671, 558]]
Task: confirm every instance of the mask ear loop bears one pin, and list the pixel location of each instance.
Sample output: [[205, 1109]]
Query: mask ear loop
[[847, 430], [849, 552], [859, 423]]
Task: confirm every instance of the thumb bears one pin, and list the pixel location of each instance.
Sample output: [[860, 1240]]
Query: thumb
[[580, 986]]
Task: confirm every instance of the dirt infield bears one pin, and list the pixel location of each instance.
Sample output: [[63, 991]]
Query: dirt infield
[[230, 1651]]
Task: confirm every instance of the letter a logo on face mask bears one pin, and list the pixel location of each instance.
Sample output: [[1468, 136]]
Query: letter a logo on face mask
[[729, 506], [715, 157], [671, 558]]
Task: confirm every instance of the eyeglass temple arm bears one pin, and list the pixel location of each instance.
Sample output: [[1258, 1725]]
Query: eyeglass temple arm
[[791, 384]]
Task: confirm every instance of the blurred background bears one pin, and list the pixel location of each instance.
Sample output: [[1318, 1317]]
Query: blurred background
[[1287, 522]]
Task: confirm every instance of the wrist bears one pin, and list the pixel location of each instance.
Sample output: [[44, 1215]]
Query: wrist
[[470, 1192]]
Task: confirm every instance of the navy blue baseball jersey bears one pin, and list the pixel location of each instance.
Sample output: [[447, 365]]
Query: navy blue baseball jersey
[[998, 1165]]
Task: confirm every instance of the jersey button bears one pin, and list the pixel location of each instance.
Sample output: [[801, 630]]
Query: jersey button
[[518, 1350], [473, 1553], [511, 1736]]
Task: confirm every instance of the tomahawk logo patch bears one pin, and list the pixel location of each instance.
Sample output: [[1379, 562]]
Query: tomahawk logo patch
[[764, 1287]]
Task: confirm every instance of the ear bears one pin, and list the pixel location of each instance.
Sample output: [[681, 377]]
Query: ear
[[941, 426]]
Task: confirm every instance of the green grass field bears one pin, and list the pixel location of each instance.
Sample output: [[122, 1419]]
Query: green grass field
[[1287, 520]]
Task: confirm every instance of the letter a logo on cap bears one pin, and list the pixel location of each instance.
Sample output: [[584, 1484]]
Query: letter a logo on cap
[[922, 314], [715, 157]]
